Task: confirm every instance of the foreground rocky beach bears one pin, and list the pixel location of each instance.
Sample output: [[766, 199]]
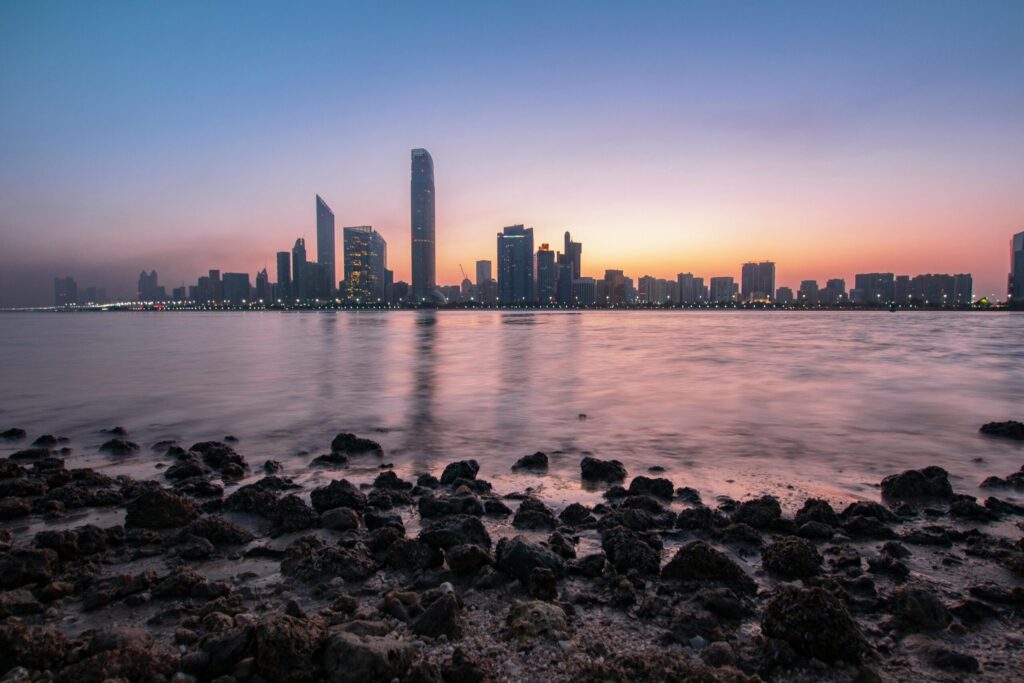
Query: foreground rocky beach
[[220, 569]]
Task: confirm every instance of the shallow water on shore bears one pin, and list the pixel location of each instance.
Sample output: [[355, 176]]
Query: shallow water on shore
[[734, 403]]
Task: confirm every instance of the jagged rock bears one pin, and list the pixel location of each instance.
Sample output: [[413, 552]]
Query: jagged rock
[[518, 556], [537, 461], [22, 566], [951, 660], [930, 482], [455, 530], [160, 509], [286, 647], [1011, 429], [254, 500], [659, 487], [292, 514], [698, 561], [760, 513], [411, 554], [467, 558], [542, 584], [112, 588], [576, 514], [700, 517], [355, 445], [119, 447], [349, 658], [443, 617], [216, 530], [378, 520], [339, 519], [918, 609], [592, 469], [45, 441], [561, 545], [816, 510], [791, 558], [309, 559], [968, 508], [628, 552], [33, 453], [534, 514], [462, 669], [273, 467], [390, 480], [527, 620], [18, 602], [339, 493], [814, 622], [187, 466], [443, 505], [14, 508], [221, 457], [13, 434], [592, 566], [816, 530], [462, 469], [11, 470], [71, 544], [33, 647]]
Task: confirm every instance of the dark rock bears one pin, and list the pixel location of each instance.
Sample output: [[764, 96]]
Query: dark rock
[[1003, 507], [495, 508], [528, 620], [696, 518], [309, 559], [918, 609], [375, 519], [968, 508], [462, 669], [340, 519], [462, 469], [791, 558], [1011, 429], [390, 480], [698, 561], [71, 544], [591, 566], [814, 622], [816, 510], [815, 530], [349, 658], [273, 467], [890, 566], [427, 480], [688, 495], [443, 617], [11, 470], [33, 647], [217, 531], [330, 460], [593, 469], [186, 467], [45, 441], [195, 548], [119, 447], [859, 526], [760, 513], [14, 508], [467, 559], [951, 660], [534, 514], [292, 514], [19, 602], [930, 482], [741, 534], [339, 493], [973, 612], [220, 456], [455, 530], [412, 555], [869, 509], [253, 500], [286, 648], [160, 509], [31, 454], [576, 514], [542, 584], [457, 504], [561, 545], [355, 445], [659, 488], [13, 434], [517, 557], [537, 461], [628, 552], [642, 502]]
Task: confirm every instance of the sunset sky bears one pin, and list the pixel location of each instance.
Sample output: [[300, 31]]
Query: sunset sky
[[830, 137]]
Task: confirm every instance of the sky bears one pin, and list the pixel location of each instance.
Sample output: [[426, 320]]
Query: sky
[[830, 137]]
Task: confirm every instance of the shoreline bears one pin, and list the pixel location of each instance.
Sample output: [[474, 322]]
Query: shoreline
[[170, 308], [222, 569]]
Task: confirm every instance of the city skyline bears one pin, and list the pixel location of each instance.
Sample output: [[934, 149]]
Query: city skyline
[[841, 139]]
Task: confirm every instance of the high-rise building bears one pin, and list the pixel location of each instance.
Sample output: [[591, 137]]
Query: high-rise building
[[325, 247], [834, 292], [784, 295], [65, 291], [399, 292], [366, 260], [483, 272], [758, 281], [963, 289], [423, 256], [808, 292], [645, 289], [565, 280], [901, 290], [179, 293], [700, 290], [300, 271], [875, 288], [574, 252], [547, 275], [263, 292], [216, 287], [1015, 289], [584, 291], [630, 290], [723, 290], [149, 289], [284, 276], [515, 265], [684, 283], [614, 287], [236, 288]]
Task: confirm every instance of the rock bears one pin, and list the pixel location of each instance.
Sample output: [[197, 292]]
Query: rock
[[458, 504], [443, 617], [349, 658], [517, 557], [339, 519], [628, 552], [119, 447], [292, 514], [411, 554], [160, 509], [217, 531], [11, 470], [33, 647], [390, 480], [576, 514], [466, 559], [462, 469], [815, 530], [816, 510], [187, 466], [592, 469], [354, 445], [1003, 507], [309, 559], [221, 457], [1011, 429], [462, 669], [537, 461], [967, 508], [698, 561], [455, 530], [561, 545], [379, 520], [14, 508], [814, 622], [592, 566], [254, 500], [718, 653], [13, 434], [534, 514], [760, 513], [951, 660], [45, 441], [527, 620], [427, 480], [791, 558], [918, 609], [659, 487], [700, 517], [23, 566], [287, 647], [542, 584], [18, 602], [688, 495], [31, 454], [339, 493], [330, 460], [870, 510], [930, 482], [273, 467], [195, 548]]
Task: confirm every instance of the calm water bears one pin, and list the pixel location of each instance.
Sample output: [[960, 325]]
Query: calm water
[[730, 403]]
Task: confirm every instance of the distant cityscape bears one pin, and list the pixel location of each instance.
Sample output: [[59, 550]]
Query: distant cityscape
[[524, 276]]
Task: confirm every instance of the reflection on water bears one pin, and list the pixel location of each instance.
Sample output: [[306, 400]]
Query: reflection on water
[[728, 402]]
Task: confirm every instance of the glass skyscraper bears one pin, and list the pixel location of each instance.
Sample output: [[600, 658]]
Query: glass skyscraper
[[1017, 268], [325, 247], [515, 265], [366, 259], [547, 275], [422, 195]]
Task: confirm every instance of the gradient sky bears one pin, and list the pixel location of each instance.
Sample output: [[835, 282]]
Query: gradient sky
[[830, 137]]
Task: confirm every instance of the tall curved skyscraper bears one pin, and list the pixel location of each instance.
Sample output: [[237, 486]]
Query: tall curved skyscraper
[[423, 279]]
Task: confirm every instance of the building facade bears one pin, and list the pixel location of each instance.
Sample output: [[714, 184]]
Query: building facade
[[284, 276], [758, 281], [547, 275], [424, 280], [515, 265], [1016, 279], [325, 247], [366, 262]]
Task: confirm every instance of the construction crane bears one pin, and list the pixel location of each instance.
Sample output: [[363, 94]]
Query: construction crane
[[464, 276]]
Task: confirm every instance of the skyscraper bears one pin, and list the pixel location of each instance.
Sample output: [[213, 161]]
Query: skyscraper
[[366, 260], [808, 292], [216, 286], [574, 253], [65, 291], [723, 290], [236, 288], [565, 280], [483, 273], [422, 189], [325, 247], [758, 281], [263, 287], [1016, 288], [300, 288], [149, 289], [547, 275], [284, 276], [515, 265], [875, 288], [684, 283], [614, 287]]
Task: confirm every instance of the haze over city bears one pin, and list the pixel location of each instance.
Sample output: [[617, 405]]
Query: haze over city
[[830, 140]]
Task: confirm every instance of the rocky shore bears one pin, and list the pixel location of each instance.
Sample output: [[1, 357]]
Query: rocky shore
[[219, 569]]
